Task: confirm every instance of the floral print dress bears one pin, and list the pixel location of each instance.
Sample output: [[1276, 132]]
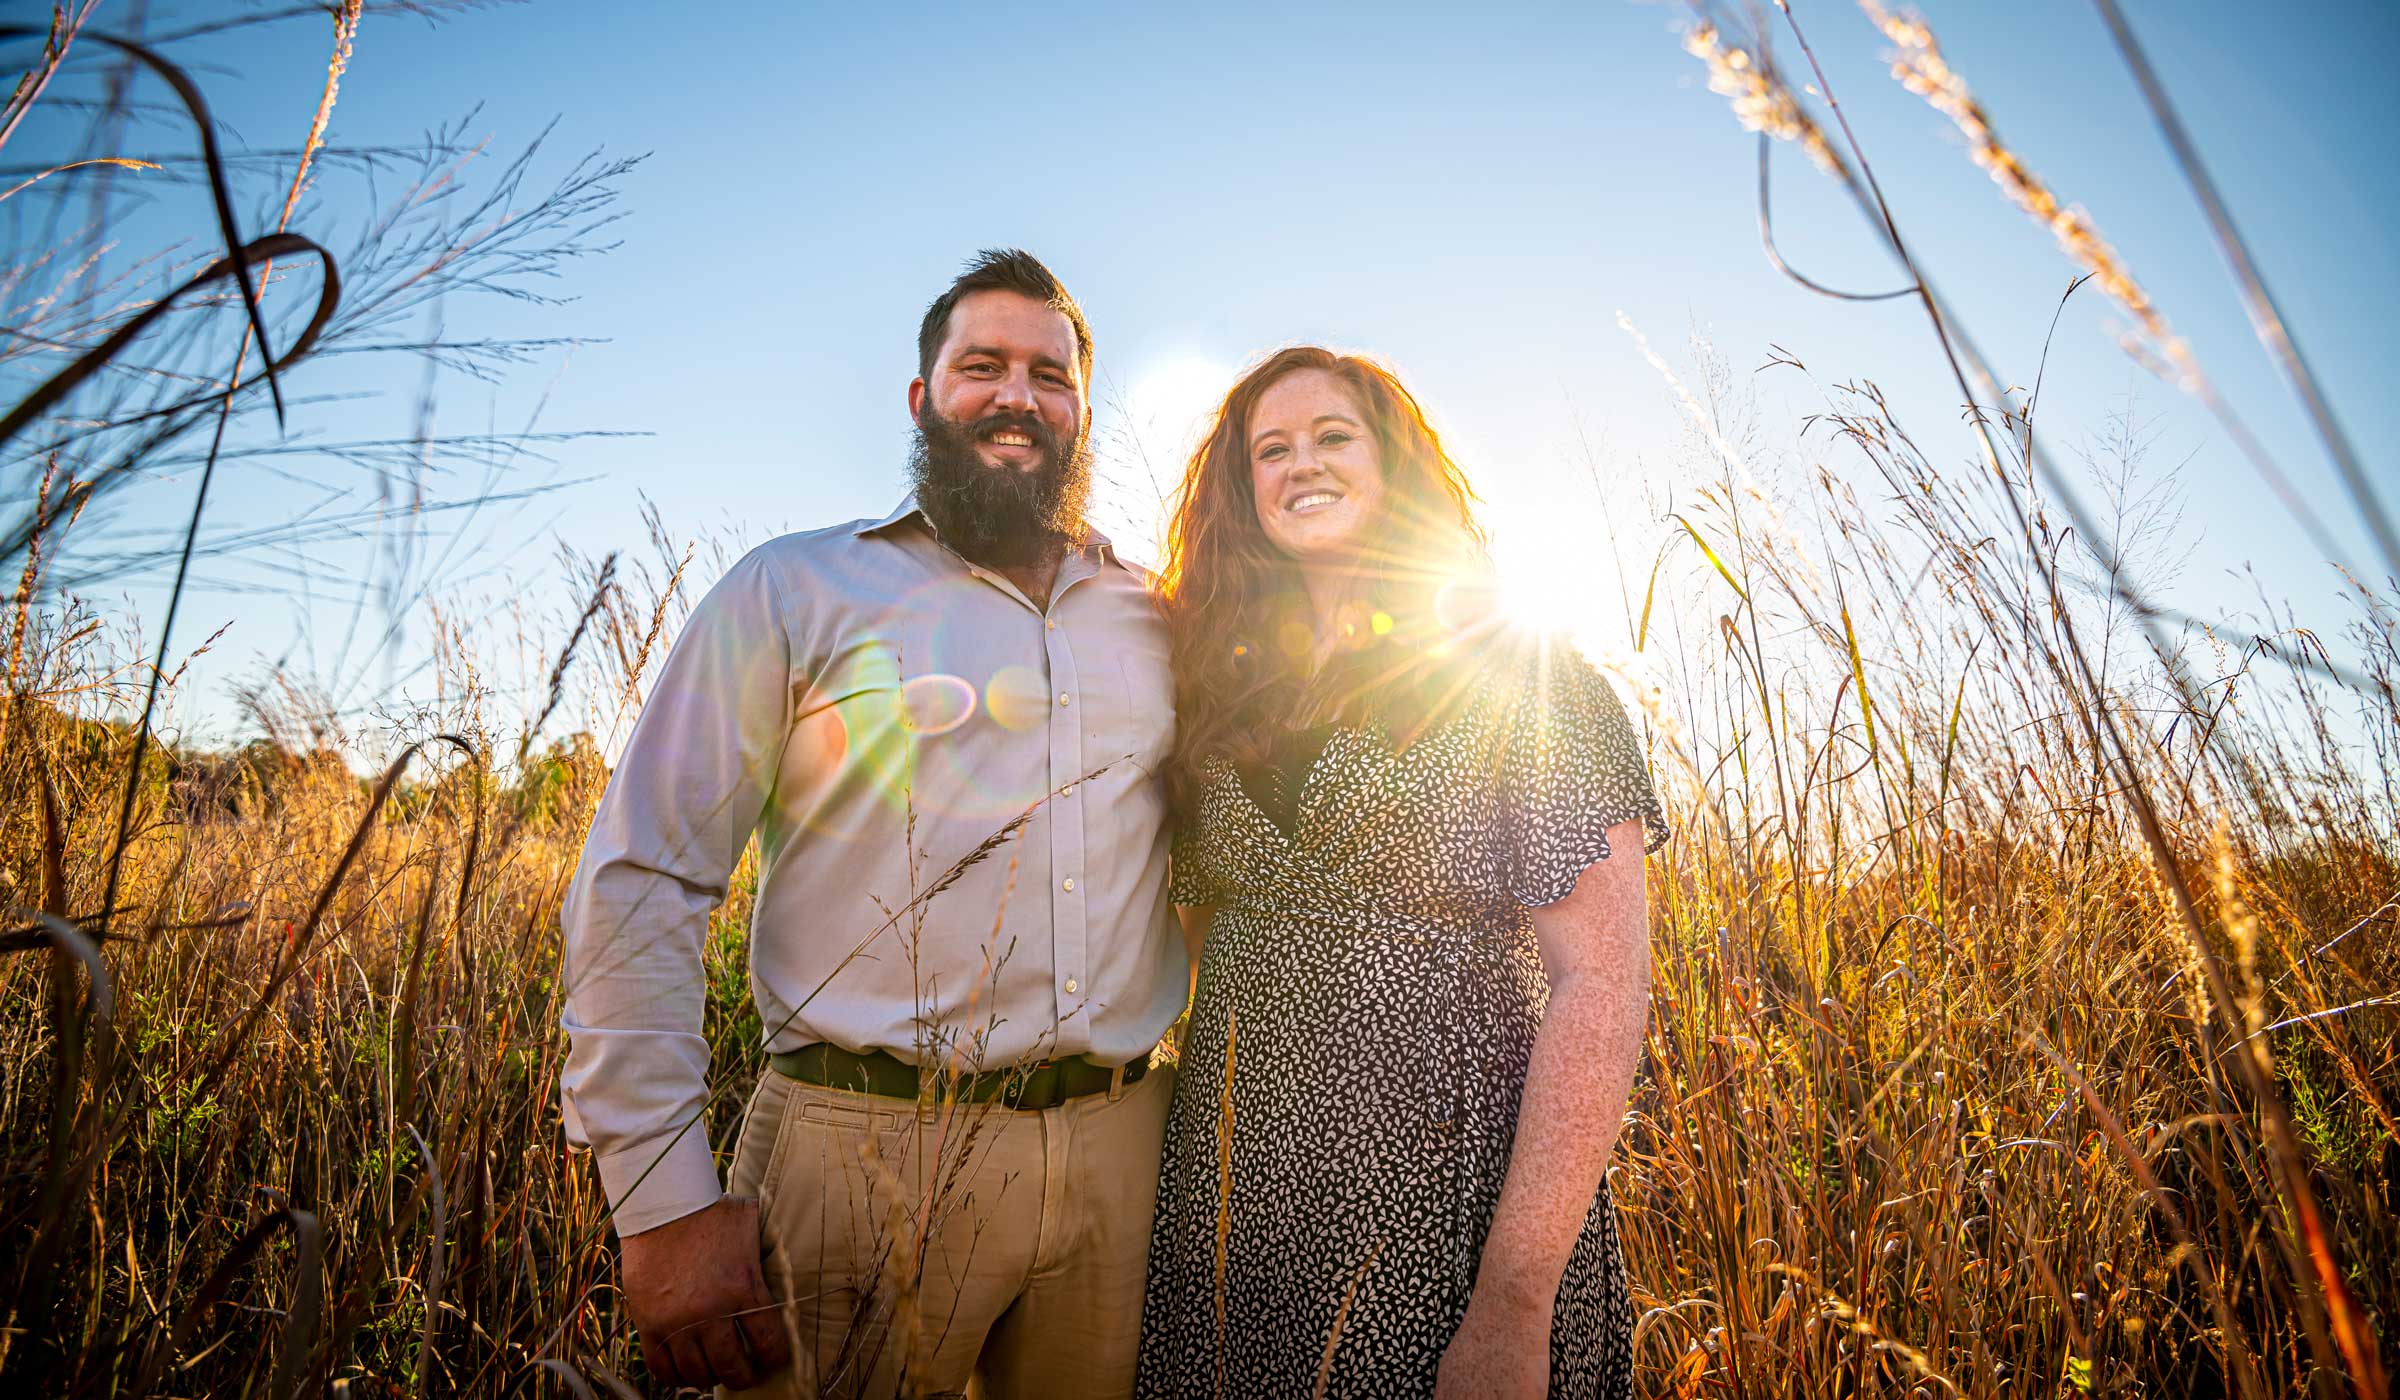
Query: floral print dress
[[1366, 1008]]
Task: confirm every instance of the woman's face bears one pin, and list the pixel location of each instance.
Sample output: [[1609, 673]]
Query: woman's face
[[1316, 473]]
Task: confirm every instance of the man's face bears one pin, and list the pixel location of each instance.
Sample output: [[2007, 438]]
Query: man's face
[[1007, 356], [1001, 464]]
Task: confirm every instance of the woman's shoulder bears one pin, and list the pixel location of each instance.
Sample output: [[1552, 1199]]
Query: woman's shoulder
[[1516, 665], [1569, 752], [1477, 684]]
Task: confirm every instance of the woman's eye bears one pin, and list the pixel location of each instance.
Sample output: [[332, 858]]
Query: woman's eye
[[1333, 439], [1270, 454]]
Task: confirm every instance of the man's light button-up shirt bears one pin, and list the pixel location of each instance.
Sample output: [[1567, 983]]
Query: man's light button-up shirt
[[871, 706]]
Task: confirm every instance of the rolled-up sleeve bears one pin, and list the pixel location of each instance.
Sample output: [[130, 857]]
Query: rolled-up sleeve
[[681, 804]]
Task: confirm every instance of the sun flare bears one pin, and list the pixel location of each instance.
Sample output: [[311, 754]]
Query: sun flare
[[1168, 403], [1553, 575]]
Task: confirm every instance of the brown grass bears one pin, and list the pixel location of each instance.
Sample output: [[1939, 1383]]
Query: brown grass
[[1934, 1096]]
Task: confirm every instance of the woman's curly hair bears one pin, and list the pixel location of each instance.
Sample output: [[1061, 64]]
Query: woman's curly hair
[[1240, 628]]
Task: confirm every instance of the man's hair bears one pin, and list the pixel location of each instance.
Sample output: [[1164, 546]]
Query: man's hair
[[1003, 270]]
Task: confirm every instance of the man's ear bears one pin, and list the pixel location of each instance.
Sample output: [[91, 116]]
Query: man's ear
[[916, 400]]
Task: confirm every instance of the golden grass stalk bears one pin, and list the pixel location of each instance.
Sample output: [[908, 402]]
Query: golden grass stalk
[[66, 22], [1918, 64], [1341, 1320], [1761, 103], [118, 162]]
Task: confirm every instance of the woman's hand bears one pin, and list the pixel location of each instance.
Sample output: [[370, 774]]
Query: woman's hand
[[1501, 1352]]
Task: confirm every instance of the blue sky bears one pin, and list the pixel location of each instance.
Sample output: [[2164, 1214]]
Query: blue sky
[[1472, 192]]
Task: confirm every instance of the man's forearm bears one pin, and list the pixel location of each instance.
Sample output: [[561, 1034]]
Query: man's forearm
[[635, 1083], [684, 798], [654, 1161]]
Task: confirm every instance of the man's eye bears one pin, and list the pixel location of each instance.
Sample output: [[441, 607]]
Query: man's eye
[[979, 369]]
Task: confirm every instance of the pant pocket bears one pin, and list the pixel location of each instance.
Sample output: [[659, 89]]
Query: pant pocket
[[754, 1147], [836, 1170]]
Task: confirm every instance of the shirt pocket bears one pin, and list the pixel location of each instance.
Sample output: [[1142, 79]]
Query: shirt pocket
[[1140, 724]]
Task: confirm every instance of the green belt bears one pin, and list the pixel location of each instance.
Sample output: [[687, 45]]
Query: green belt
[[1043, 1084]]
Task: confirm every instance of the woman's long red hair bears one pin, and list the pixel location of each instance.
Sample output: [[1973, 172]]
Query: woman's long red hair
[[1232, 598]]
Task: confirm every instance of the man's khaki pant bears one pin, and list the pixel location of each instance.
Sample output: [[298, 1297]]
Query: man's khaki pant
[[967, 1250]]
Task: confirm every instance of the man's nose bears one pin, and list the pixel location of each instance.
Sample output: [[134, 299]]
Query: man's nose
[[1015, 392]]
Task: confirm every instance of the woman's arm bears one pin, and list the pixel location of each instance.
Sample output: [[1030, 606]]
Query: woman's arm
[[1194, 918], [1596, 949]]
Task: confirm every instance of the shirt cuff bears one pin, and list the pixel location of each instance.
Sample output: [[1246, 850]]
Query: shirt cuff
[[669, 1188]]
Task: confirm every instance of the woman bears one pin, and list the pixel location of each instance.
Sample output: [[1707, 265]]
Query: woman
[[1412, 842]]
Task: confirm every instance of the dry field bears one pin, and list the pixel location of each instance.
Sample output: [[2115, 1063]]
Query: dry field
[[2027, 999]]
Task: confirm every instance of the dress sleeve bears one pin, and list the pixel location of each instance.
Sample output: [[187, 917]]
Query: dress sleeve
[[1569, 769]]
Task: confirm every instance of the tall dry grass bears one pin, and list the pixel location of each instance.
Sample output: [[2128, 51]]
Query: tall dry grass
[[1936, 1100], [2026, 1018]]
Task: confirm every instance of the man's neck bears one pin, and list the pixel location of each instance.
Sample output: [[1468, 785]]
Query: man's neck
[[1034, 578]]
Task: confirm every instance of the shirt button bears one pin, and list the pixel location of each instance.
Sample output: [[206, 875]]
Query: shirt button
[[1062, 698], [1070, 986], [1067, 791], [1051, 623], [1068, 884]]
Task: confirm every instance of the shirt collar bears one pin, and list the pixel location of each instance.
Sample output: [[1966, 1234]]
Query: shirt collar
[[908, 506], [1095, 544]]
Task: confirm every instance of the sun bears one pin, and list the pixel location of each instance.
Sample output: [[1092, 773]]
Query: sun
[[1167, 404], [1551, 572]]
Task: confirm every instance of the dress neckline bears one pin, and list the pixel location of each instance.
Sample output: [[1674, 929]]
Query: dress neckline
[[1276, 786]]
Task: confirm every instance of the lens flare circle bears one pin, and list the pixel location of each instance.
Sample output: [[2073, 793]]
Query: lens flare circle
[[936, 704], [1018, 698]]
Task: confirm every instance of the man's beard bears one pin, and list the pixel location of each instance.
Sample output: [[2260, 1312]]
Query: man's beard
[[1000, 516]]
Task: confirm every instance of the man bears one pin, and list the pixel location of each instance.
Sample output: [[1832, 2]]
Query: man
[[941, 725]]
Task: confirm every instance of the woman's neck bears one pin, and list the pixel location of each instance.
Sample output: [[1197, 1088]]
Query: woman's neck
[[1334, 589]]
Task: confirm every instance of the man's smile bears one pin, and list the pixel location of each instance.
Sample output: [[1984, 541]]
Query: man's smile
[[1014, 445]]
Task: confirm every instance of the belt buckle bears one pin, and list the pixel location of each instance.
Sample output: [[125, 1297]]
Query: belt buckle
[[1025, 1089]]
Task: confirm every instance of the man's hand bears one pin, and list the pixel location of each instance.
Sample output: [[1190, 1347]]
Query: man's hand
[[699, 1299]]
